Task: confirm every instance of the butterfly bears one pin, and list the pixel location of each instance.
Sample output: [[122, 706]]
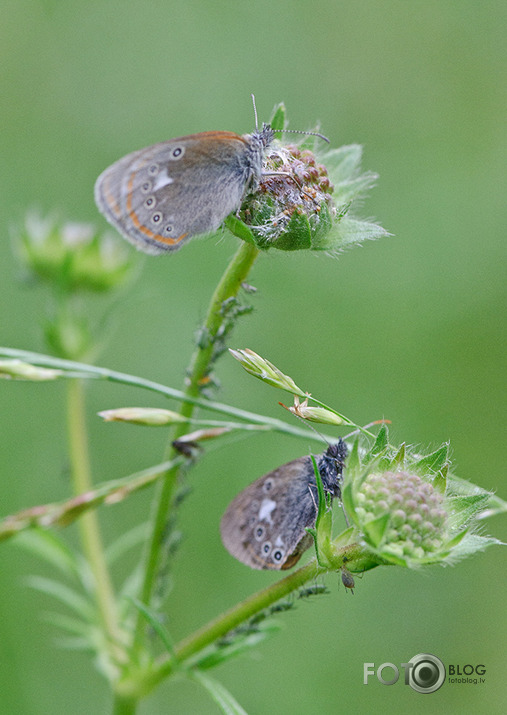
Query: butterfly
[[161, 196], [265, 525]]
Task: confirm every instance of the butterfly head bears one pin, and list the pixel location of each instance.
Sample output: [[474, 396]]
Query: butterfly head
[[331, 466]]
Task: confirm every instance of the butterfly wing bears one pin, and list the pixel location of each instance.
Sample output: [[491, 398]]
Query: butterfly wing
[[264, 526], [161, 196]]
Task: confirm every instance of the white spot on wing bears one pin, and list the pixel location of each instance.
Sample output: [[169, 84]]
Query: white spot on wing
[[162, 180], [267, 506]]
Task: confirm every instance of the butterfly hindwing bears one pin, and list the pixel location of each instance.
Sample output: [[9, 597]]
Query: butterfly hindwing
[[265, 525]]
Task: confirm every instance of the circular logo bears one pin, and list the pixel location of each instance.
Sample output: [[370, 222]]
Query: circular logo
[[427, 674]]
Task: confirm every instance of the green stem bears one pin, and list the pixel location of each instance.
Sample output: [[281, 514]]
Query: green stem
[[229, 285], [124, 705], [76, 369], [88, 523], [261, 600], [143, 682], [245, 610], [221, 625]]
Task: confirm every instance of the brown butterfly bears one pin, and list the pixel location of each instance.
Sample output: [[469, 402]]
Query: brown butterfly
[[265, 525]]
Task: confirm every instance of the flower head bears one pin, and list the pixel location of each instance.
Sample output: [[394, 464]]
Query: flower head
[[72, 255], [306, 196], [408, 509]]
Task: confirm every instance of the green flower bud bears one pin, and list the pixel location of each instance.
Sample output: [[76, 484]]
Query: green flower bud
[[264, 370], [314, 414], [72, 256], [69, 336], [150, 416], [306, 195], [416, 513], [19, 370], [408, 509]]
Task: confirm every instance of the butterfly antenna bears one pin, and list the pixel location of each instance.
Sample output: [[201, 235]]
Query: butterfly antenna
[[301, 131], [255, 113], [314, 429], [307, 424]]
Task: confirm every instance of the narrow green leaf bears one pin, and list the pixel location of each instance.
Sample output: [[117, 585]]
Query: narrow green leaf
[[321, 495], [343, 161], [495, 506], [324, 520], [239, 229], [399, 458], [466, 508], [65, 595], [440, 481], [375, 529], [394, 560], [349, 232], [75, 643], [153, 619], [346, 537], [132, 584], [348, 502], [278, 117], [433, 462], [471, 544], [380, 445], [223, 698], [72, 625], [353, 460], [240, 644], [129, 540], [452, 543], [50, 547], [346, 191]]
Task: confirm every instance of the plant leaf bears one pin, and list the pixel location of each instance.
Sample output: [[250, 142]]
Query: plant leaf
[[433, 462], [223, 698], [153, 619], [469, 545], [51, 548], [75, 601], [239, 645], [380, 445], [466, 508], [129, 540], [375, 529]]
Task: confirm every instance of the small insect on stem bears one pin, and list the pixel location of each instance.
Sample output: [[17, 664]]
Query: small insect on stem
[[347, 578], [316, 590]]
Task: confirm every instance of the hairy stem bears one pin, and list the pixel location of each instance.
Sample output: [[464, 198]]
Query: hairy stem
[[184, 651], [238, 614], [245, 610], [229, 285]]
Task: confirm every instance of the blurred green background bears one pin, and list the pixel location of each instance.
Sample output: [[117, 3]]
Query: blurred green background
[[411, 327]]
